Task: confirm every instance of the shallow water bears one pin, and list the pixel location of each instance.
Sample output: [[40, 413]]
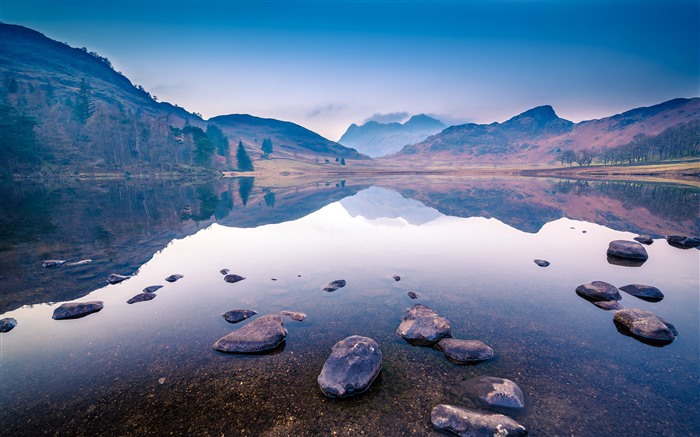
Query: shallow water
[[149, 368]]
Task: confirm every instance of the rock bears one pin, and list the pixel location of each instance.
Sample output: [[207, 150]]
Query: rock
[[413, 295], [466, 422], [152, 288], [262, 334], [115, 278], [224, 271], [644, 239], [626, 262], [644, 292], [541, 262], [608, 305], [643, 324], [351, 368], [52, 262], [496, 392], [235, 316], [422, 326], [7, 324], [232, 279], [334, 285], [79, 263], [397, 278], [74, 310], [598, 291], [294, 315], [682, 242], [142, 297], [173, 278], [464, 351], [627, 249]]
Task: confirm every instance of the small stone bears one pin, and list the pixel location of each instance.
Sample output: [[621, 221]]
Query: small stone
[[296, 316], [608, 304], [7, 324], [397, 278], [261, 335], [273, 279], [52, 262], [466, 422], [627, 249], [224, 271], [334, 285], [152, 288], [115, 278], [422, 326], [351, 368], [683, 242], [598, 290], [142, 297], [235, 316], [173, 278], [644, 239], [496, 392], [644, 292], [413, 295], [79, 263], [464, 351], [232, 279], [74, 310], [645, 325], [541, 262], [161, 381]]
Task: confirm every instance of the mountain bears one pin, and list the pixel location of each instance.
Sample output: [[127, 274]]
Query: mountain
[[377, 203], [379, 139], [539, 135]]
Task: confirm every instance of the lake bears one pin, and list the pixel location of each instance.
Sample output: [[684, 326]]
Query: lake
[[465, 245]]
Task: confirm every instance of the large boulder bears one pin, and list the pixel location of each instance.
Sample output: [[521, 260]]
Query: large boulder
[[644, 292], [74, 310], [334, 285], [598, 291], [233, 278], [496, 392], [261, 335], [351, 368], [7, 324], [422, 326], [683, 242], [645, 325], [464, 351], [235, 316], [627, 249], [466, 422]]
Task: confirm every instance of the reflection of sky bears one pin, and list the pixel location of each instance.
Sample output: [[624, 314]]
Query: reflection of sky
[[328, 64]]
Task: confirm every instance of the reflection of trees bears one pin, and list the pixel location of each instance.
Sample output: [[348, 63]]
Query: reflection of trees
[[245, 185], [578, 187], [667, 201], [269, 198], [25, 214]]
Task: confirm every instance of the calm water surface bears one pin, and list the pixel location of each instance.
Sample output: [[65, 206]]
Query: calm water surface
[[465, 246]]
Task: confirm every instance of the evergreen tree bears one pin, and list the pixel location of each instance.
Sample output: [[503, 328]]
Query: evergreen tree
[[245, 185], [17, 139], [218, 140], [84, 106], [267, 146], [342, 161], [244, 162]]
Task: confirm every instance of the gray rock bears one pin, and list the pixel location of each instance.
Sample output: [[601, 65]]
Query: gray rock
[[52, 262], [232, 279], [235, 316], [115, 278], [224, 271], [464, 351], [627, 249], [413, 295], [644, 239], [422, 326], [496, 392], [541, 262], [608, 305], [296, 316], [262, 334], [466, 422], [334, 285], [142, 297], [683, 242], [645, 325], [598, 291], [74, 310], [644, 292], [79, 263], [7, 324], [397, 278], [152, 288], [351, 368], [173, 278]]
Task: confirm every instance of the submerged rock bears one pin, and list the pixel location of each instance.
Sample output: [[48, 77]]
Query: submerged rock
[[496, 392], [115, 278], [397, 278], [224, 271], [608, 304], [142, 297], [334, 285], [52, 262], [173, 278], [413, 295], [466, 422], [644, 292], [7, 324], [152, 288], [351, 368], [541, 262], [422, 326], [464, 351], [683, 242], [598, 291], [79, 263], [74, 310], [232, 279], [235, 316], [644, 239], [262, 334], [296, 316], [627, 249], [643, 324]]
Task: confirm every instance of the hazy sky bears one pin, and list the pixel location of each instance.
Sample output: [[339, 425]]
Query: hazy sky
[[326, 64]]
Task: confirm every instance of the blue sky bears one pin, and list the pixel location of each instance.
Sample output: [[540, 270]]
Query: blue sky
[[326, 64]]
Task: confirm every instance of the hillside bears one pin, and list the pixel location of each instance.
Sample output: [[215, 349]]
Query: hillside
[[379, 139]]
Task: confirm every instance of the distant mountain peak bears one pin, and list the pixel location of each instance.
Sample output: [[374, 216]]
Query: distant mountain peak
[[540, 114]]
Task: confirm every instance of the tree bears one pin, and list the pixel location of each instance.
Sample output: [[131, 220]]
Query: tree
[[585, 157], [244, 162], [568, 157], [267, 146], [84, 106], [245, 185], [17, 139], [218, 139], [342, 161]]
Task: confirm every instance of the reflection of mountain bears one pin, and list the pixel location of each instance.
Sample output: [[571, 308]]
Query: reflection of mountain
[[375, 202]]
